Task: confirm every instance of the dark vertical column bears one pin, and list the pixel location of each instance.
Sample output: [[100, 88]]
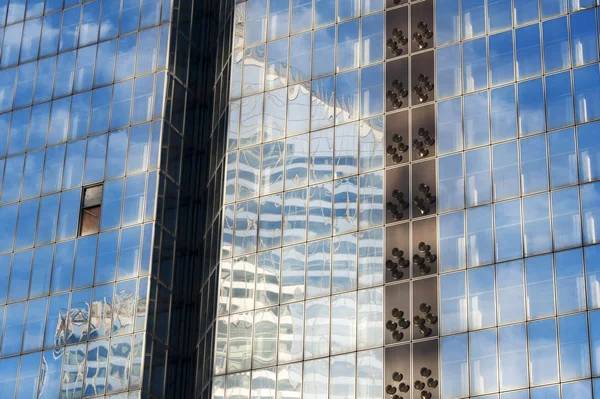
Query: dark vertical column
[[411, 303]]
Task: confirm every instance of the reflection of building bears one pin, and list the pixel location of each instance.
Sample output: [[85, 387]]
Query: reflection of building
[[471, 272]]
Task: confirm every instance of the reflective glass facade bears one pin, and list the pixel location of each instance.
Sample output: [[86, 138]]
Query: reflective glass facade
[[105, 111], [410, 204]]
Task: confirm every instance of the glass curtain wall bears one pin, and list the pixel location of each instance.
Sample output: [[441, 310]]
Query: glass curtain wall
[[81, 91], [300, 305], [517, 115]]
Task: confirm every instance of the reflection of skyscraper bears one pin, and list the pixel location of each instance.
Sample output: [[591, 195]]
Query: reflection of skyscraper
[[472, 271], [109, 188]]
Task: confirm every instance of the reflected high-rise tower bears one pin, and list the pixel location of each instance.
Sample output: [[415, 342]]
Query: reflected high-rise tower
[[410, 201], [109, 191]]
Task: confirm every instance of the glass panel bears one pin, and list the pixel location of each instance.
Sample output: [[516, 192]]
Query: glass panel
[[297, 156], [322, 110], [291, 333], [476, 120], [321, 156], [317, 332], [323, 51], [293, 269], [526, 11], [300, 58], [590, 201], [267, 278], [537, 230], [479, 236], [532, 118], [370, 318], [454, 366], [240, 332], [270, 222], [589, 153], [529, 60], [448, 70], [453, 300], [512, 345], [450, 183], [449, 126], [372, 37], [502, 68], [346, 150], [592, 271], [570, 282], [343, 376], [289, 380], [343, 323], [559, 100], [447, 22], [482, 304], [473, 18], [553, 7], [265, 338], [452, 241], [254, 70], [509, 243], [534, 164], [543, 357], [370, 258], [595, 341], [584, 40], [587, 93], [511, 292], [504, 113], [563, 160], [274, 114], [279, 18], [344, 263], [316, 379], [369, 374], [474, 65], [348, 45], [565, 218], [483, 362], [574, 347]]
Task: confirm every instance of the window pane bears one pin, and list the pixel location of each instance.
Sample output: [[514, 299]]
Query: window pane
[[448, 71], [482, 303], [502, 68], [540, 287], [584, 40], [483, 362], [450, 183], [589, 152], [504, 113], [453, 300], [565, 218], [536, 215], [512, 344], [473, 18], [590, 204], [449, 126], [543, 356], [474, 65], [453, 353], [529, 58], [570, 282], [574, 347], [587, 93]]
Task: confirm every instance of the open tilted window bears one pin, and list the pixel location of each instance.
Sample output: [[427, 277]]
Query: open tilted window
[[90, 211]]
